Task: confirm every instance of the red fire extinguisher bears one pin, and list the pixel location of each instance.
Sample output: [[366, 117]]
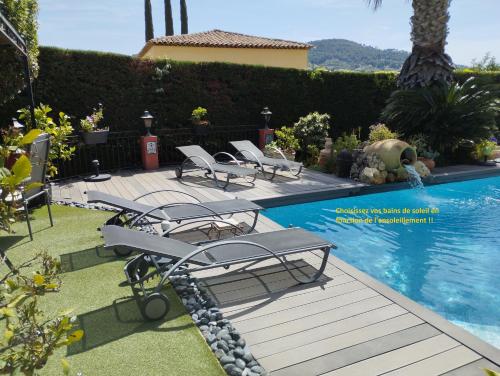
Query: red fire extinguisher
[[149, 145]]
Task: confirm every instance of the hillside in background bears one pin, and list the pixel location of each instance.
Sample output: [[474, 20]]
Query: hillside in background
[[335, 54]]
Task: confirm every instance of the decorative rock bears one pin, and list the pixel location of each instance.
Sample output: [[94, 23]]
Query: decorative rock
[[211, 338], [222, 333], [239, 353], [222, 345], [257, 369], [248, 357], [240, 363], [219, 353], [422, 169], [236, 372], [226, 359], [241, 342], [229, 367]]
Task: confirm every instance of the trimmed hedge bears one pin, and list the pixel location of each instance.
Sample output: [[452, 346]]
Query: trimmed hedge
[[75, 81]]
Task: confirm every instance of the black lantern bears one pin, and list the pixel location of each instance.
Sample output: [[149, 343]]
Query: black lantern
[[266, 113], [148, 122]]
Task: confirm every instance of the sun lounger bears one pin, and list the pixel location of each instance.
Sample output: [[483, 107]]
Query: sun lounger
[[250, 153], [133, 212], [223, 253], [198, 159]]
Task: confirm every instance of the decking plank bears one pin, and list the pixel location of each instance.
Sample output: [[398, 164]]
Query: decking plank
[[309, 333], [299, 310], [438, 364], [338, 342], [473, 369], [357, 353], [395, 359]]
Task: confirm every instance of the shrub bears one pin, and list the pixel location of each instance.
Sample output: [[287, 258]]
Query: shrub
[[380, 132], [445, 113], [285, 140], [345, 142], [59, 134], [312, 129]]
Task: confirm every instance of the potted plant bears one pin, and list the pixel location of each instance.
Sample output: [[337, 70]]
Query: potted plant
[[286, 142], [92, 131], [424, 151], [200, 121]]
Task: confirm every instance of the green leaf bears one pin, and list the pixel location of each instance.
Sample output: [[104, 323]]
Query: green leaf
[[65, 366], [31, 186], [75, 336], [31, 136], [22, 168], [489, 372]]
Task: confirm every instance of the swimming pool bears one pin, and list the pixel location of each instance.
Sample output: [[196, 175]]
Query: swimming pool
[[443, 254]]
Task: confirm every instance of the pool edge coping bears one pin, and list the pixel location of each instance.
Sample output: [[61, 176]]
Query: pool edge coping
[[364, 189], [459, 334]]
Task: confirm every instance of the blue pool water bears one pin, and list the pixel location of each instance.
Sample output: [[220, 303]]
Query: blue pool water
[[450, 265]]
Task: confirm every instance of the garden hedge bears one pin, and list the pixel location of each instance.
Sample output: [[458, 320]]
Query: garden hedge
[[75, 81]]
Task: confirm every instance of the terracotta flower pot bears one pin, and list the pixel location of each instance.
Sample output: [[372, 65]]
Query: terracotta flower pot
[[429, 163]]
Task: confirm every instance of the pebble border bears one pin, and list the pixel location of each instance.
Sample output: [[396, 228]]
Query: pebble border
[[224, 340]]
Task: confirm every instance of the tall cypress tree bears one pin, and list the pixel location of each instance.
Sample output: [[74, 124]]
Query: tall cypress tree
[[148, 14], [169, 22], [184, 17]]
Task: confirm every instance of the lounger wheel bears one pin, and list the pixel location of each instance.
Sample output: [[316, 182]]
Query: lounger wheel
[[178, 172], [122, 252], [155, 306]]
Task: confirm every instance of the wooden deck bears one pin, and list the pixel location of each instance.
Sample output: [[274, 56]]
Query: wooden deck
[[344, 324]]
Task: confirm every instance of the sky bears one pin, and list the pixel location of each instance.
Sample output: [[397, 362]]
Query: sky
[[118, 25]]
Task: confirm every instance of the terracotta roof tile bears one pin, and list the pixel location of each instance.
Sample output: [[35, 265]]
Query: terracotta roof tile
[[219, 38]]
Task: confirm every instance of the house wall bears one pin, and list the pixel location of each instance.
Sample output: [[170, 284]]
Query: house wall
[[284, 58]]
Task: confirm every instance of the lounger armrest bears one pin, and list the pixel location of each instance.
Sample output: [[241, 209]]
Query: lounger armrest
[[227, 243], [166, 206], [227, 155], [280, 152], [250, 152], [165, 190], [192, 157]]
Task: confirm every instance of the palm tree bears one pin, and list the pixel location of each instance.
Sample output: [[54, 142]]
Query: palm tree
[[148, 14], [184, 17], [169, 22], [428, 61]]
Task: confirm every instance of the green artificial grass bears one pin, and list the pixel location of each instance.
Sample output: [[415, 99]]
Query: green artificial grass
[[117, 340]]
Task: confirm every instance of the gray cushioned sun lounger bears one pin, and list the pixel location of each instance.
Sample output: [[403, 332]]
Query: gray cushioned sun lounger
[[175, 212], [250, 153], [198, 159], [223, 253]]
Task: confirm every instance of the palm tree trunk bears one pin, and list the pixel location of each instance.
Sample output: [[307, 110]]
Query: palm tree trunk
[[169, 22], [148, 15], [184, 17], [428, 61]]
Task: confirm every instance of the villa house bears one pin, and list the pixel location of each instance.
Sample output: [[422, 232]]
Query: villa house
[[223, 46]]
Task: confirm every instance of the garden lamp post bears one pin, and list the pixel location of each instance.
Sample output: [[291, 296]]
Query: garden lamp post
[[148, 122], [266, 113], [149, 144], [266, 135]]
